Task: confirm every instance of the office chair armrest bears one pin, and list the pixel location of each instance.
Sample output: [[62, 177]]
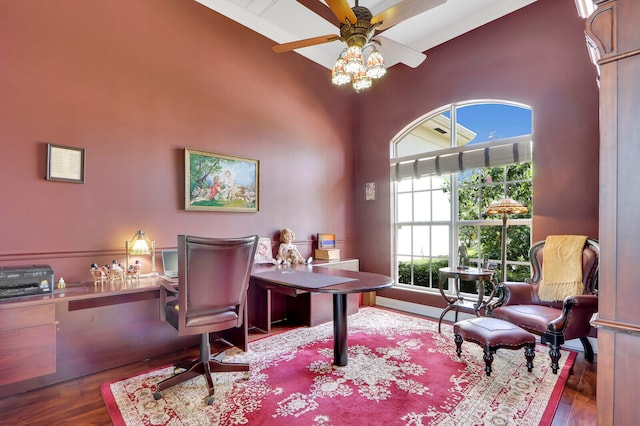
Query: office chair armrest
[[166, 290], [575, 309]]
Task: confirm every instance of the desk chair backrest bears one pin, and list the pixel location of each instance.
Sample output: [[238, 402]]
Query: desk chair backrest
[[213, 281]]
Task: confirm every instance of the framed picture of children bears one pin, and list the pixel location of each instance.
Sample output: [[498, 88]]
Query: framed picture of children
[[217, 182]]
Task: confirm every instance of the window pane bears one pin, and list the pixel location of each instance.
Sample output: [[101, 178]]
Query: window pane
[[496, 174], [421, 272], [403, 244], [421, 241], [440, 241], [420, 184], [405, 185], [491, 240], [486, 122], [522, 193], [518, 273], [404, 269], [468, 201], [404, 207], [519, 171], [422, 206], [518, 242], [490, 194], [439, 182], [468, 235], [441, 206], [431, 135]]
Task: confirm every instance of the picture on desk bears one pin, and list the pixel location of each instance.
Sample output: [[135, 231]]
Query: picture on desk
[[216, 182], [264, 253]]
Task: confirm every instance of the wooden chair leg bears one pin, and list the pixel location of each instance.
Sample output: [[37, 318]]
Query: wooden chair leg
[[488, 359], [458, 339], [554, 354], [588, 349], [529, 354]]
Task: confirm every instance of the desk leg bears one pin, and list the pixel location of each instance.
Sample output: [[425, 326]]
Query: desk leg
[[261, 304], [340, 357]]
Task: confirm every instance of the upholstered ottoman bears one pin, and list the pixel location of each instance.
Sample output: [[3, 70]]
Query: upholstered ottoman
[[493, 334]]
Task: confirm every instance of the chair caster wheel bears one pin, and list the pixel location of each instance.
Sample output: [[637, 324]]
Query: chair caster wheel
[[210, 400], [157, 396]]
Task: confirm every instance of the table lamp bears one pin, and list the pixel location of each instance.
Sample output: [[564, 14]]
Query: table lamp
[[505, 206], [140, 245]]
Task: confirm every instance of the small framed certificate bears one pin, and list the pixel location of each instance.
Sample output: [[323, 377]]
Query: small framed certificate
[[65, 163]]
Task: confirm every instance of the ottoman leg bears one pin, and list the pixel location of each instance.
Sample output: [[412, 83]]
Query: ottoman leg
[[458, 339], [529, 354], [488, 359]]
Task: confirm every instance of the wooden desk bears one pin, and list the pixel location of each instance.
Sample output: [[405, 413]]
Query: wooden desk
[[293, 279], [84, 328], [458, 302], [80, 330], [306, 308]]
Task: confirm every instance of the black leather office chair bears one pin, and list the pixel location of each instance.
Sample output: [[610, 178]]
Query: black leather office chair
[[211, 298]]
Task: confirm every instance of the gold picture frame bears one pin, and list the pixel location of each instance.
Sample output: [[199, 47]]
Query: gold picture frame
[[65, 163], [217, 182]]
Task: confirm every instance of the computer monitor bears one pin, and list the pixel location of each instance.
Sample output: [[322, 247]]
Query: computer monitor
[[170, 263]]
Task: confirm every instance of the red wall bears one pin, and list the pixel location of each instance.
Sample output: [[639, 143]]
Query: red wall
[[134, 83], [536, 56]]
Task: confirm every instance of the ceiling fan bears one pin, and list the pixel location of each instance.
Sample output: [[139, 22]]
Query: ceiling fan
[[360, 30]]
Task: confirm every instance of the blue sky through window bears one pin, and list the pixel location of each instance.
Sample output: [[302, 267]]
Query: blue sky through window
[[494, 121]]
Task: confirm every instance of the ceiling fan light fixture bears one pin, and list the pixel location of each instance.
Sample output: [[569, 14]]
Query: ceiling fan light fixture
[[354, 60], [375, 65], [338, 75], [358, 27], [361, 81]]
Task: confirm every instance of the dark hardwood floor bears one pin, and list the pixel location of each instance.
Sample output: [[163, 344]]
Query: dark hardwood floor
[[79, 402]]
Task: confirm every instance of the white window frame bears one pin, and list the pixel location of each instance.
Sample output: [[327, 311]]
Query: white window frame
[[423, 165]]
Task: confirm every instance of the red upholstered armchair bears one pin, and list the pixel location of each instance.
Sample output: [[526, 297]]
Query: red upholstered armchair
[[555, 322]]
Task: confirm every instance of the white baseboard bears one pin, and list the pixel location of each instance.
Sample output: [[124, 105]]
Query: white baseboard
[[433, 312]]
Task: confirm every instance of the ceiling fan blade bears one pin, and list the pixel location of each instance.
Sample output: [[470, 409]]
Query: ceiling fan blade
[[395, 52], [342, 10], [285, 47], [320, 9], [403, 10]]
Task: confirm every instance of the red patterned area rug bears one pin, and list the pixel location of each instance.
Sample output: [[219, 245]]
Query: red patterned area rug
[[400, 372]]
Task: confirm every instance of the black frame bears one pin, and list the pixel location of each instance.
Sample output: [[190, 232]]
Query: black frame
[[62, 164]]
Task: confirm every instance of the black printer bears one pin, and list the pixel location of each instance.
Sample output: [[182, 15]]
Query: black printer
[[25, 280]]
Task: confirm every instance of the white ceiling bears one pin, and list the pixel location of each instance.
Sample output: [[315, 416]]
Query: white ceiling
[[287, 20]]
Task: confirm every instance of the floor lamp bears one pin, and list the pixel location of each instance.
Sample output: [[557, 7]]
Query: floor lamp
[[505, 206]]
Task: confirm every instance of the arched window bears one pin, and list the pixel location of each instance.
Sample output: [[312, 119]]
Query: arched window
[[447, 167]]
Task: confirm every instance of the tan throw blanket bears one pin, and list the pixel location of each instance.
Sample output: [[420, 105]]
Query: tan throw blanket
[[562, 267]]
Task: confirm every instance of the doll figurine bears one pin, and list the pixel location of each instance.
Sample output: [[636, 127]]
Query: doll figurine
[[288, 252]]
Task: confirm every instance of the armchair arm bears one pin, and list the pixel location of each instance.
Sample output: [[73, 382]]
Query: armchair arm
[[575, 310], [514, 293]]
